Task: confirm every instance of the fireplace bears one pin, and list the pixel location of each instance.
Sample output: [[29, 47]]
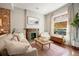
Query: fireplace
[[31, 34]]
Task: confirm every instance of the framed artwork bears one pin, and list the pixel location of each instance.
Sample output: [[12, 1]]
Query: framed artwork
[[60, 28], [0, 22], [32, 21], [60, 24]]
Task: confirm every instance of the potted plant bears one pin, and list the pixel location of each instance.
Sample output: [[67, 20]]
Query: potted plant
[[75, 24]]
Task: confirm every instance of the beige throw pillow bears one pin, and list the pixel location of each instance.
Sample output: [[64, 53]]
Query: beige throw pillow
[[15, 38], [43, 39]]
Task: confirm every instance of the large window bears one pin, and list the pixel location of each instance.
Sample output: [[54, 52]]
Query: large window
[[60, 24]]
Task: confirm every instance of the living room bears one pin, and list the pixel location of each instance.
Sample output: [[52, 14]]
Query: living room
[[34, 20]]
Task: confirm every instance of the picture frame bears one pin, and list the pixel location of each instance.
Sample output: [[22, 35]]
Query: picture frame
[[0, 22], [32, 20], [60, 24]]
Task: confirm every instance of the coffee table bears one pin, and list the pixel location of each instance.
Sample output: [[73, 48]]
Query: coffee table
[[43, 42]]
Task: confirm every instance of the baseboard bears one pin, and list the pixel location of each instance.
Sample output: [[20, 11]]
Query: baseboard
[[75, 47]]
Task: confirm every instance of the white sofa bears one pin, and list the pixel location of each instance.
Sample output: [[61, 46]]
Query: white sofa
[[10, 46]]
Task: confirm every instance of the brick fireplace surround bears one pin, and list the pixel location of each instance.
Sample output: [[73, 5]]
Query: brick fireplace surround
[[29, 31]]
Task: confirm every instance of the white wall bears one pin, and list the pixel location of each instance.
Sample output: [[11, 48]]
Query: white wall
[[17, 19], [40, 17], [50, 19], [47, 23], [76, 8], [5, 5]]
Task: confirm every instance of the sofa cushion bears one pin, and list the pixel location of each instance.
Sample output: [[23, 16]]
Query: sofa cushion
[[21, 37], [44, 39], [15, 38], [2, 43], [15, 47], [9, 36]]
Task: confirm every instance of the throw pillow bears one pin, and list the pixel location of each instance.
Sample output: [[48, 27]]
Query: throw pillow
[[21, 36], [15, 38], [44, 39]]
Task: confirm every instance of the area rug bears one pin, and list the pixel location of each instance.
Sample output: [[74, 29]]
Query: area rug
[[54, 50]]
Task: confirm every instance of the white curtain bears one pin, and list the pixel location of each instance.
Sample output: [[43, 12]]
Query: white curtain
[[71, 29]]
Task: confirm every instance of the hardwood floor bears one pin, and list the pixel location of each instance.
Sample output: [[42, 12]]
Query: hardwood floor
[[72, 50], [56, 50]]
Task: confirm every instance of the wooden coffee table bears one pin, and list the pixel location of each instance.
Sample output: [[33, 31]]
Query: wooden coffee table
[[42, 42]]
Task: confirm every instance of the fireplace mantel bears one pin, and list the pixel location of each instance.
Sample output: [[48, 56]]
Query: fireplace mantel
[[31, 28]]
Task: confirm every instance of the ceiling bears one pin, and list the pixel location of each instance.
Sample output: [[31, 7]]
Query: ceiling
[[42, 8]]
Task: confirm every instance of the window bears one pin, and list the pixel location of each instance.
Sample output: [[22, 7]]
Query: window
[[60, 24]]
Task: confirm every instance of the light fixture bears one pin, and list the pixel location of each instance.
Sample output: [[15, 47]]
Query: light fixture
[[44, 9], [37, 8]]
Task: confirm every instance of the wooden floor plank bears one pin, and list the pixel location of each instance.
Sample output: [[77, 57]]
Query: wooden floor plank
[[56, 50]]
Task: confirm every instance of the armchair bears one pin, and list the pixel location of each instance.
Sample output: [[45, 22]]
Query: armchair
[[45, 36]]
